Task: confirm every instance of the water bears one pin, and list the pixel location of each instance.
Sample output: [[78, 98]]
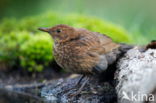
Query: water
[[14, 97]]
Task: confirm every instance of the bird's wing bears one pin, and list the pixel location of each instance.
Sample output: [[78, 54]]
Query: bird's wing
[[106, 43], [104, 46], [97, 42], [94, 47]]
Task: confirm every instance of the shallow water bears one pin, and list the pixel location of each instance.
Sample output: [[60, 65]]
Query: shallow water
[[14, 97]]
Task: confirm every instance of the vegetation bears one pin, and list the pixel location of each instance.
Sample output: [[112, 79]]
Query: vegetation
[[22, 44]]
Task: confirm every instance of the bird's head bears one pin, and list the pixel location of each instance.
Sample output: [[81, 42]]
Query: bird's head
[[61, 32]]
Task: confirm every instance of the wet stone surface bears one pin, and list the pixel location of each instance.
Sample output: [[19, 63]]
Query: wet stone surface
[[18, 97], [93, 92]]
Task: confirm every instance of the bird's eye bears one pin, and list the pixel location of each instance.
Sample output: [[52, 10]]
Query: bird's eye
[[58, 30]]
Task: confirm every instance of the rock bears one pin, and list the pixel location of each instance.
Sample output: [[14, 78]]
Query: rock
[[137, 77], [17, 97], [134, 77], [93, 92]]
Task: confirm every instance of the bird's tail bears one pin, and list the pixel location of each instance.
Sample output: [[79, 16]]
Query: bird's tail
[[125, 47]]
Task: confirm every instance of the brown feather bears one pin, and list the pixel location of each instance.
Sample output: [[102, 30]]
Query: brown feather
[[79, 50]]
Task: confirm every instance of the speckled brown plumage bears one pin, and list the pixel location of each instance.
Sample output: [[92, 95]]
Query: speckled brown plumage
[[80, 50]]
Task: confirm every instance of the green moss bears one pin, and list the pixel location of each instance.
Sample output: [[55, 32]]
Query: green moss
[[117, 33], [30, 24], [10, 45], [8, 25], [21, 41], [36, 51]]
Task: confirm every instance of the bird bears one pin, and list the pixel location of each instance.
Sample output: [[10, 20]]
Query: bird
[[81, 51]]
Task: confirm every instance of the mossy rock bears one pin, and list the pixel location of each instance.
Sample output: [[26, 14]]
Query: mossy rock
[[117, 33], [36, 52]]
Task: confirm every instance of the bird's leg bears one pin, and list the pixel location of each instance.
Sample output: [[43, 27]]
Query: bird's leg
[[80, 80], [80, 89]]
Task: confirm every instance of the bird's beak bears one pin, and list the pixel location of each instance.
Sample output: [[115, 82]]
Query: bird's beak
[[44, 29]]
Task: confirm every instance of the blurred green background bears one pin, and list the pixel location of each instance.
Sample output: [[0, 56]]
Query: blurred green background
[[133, 15], [130, 21]]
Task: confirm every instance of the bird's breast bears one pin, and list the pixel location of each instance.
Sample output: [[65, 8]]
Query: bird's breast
[[72, 58], [65, 56]]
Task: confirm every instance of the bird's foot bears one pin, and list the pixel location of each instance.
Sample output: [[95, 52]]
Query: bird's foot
[[80, 89], [77, 84]]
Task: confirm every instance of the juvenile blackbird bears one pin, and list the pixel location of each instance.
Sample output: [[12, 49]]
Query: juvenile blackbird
[[81, 51]]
